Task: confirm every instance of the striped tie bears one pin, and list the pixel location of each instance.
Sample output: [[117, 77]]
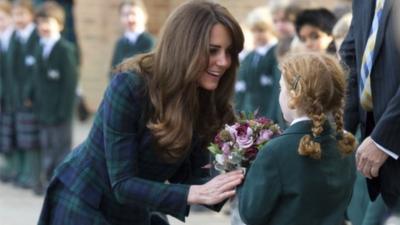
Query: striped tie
[[368, 59]]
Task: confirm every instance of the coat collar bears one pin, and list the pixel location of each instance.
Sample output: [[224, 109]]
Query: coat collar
[[304, 127]]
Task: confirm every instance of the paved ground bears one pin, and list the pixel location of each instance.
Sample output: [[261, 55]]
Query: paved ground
[[22, 207]]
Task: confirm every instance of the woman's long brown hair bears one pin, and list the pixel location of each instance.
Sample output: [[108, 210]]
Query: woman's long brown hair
[[172, 70]]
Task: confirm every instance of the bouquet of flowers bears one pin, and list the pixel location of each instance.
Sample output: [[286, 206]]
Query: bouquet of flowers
[[237, 145]]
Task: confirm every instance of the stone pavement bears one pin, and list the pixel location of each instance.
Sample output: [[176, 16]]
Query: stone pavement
[[22, 207]]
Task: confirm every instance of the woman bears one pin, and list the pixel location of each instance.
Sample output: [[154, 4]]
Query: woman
[[153, 126]]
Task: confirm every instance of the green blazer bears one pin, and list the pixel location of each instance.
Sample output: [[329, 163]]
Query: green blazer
[[283, 187], [22, 64], [55, 83], [125, 49], [259, 75]]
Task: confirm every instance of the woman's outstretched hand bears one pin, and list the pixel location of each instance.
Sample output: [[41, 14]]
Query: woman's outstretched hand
[[216, 190]]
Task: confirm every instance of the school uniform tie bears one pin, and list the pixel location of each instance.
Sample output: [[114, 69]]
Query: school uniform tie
[[368, 59], [255, 60]]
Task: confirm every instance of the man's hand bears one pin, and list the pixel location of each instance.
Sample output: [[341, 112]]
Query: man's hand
[[370, 158]]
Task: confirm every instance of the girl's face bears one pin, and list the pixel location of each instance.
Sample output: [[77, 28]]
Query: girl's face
[[260, 37], [22, 17], [48, 27], [314, 39], [132, 17], [220, 58], [284, 97], [284, 27], [5, 20]]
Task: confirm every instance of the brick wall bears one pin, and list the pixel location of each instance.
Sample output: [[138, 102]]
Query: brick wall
[[98, 27]]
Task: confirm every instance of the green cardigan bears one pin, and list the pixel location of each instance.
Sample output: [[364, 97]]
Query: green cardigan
[[283, 187]]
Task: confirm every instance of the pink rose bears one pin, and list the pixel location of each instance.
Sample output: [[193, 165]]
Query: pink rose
[[265, 135], [244, 137]]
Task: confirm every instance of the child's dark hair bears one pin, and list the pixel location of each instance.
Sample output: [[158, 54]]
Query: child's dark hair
[[321, 18], [51, 9], [317, 85]]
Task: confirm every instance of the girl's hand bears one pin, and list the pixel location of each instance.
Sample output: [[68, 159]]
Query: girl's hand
[[216, 190]]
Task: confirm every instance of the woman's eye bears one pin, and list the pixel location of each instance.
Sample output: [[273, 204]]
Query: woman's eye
[[213, 51]]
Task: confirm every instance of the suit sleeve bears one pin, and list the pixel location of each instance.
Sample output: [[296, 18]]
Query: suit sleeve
[[121, 113], [348, 57], [261, 189], [387, 130]]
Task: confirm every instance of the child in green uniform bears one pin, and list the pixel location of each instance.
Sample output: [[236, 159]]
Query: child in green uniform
[[305, 176], [135, 39], [56, 75], [22, 47], [6, 31], [257, 85]]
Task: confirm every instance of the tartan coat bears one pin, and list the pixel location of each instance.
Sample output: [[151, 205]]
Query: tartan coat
[[55, 83], [283, 187], [115, 176], [125, 49]]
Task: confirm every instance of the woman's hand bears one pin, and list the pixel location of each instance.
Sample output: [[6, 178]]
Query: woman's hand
[[216, 190]]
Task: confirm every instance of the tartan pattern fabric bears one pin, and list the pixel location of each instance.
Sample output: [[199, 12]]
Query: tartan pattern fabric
[[27, 130], [117, 172], [368, 59], [66, 207], [7, 132]]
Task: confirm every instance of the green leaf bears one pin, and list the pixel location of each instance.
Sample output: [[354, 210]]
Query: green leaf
[[214, 149]]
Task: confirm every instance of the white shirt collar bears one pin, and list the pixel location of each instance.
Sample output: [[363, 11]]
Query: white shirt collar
[[48, 44], [299, 119], [133, 36], [5, 37], [25, 33], [262, 50]]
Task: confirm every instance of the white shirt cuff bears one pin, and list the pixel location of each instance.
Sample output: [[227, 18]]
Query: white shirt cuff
[[390, 153]]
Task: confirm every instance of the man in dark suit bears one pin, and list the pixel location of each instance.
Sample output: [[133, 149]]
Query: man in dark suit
[[371, 54]]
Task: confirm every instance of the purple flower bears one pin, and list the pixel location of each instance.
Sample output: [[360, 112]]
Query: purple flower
[[265, 135], [250, 153], [263, 120], [226, 148], [245, 138]]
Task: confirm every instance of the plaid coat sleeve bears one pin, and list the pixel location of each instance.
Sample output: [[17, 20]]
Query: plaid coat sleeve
[[121, 116]]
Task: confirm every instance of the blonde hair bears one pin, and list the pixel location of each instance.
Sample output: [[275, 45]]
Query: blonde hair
[[342, 26], [172, 71], [260, 19], [25, 4], [5, 7], [317, 86], [135, 3], [51, 9]]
